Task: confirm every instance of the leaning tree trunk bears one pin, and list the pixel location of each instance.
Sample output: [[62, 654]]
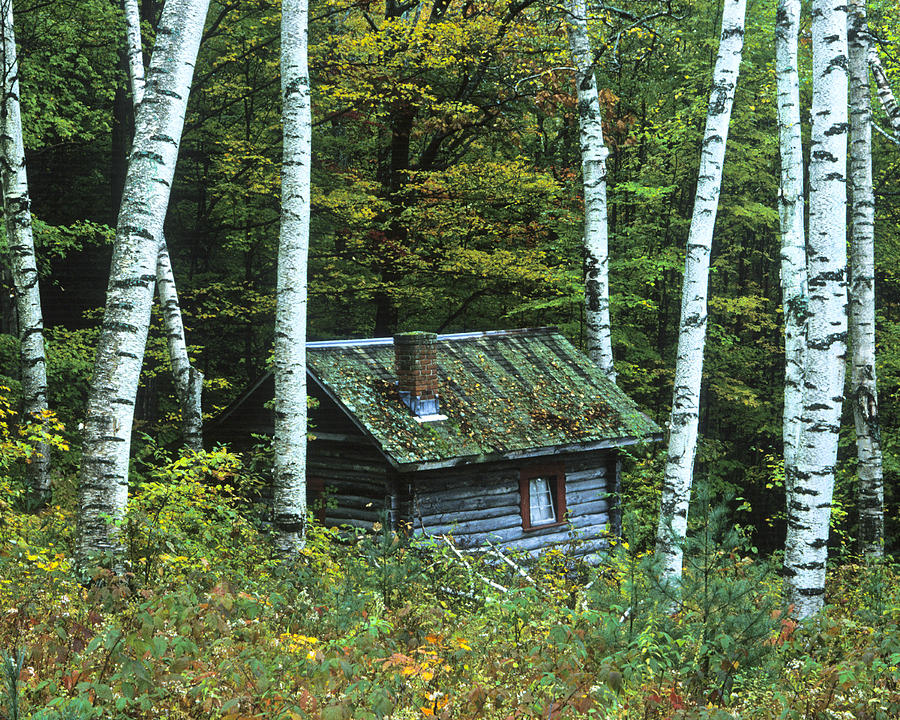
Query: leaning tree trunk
[[103, 491], [188, 380], [593, 170], [17, 213], [793, 239], [812, 485], [684, 420], [885, 94], [290, 319], [862, 290]]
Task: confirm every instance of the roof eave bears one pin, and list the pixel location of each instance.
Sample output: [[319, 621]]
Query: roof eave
[[525, 454], [352, 417]]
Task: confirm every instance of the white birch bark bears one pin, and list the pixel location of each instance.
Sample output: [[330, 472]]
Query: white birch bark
[[290, 318], [812, 485], [793, 236], [188, 380], [863, 386], [134, 49], [883, 88], [684, 420], [593, 170], [17, 214], [103, 489]]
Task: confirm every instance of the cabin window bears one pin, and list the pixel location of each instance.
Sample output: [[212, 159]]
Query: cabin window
[[542, 510], [542, 491]]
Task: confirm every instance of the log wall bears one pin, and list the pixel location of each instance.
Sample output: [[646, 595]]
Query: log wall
[[480, 503], [356, 486], [355, 481]]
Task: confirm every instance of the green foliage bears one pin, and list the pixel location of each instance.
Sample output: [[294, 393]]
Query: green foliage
[[69, 64], [187, 510], [387, 564], [56, 242], [19, 436], [10, 668], [374, 626]]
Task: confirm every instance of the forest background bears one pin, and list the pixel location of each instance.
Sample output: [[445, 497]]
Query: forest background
[[446, 196]]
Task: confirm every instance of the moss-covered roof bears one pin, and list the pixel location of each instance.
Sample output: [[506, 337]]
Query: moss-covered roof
[[503, 393]]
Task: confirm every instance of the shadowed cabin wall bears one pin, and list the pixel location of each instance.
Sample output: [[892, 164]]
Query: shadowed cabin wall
[[479, 503], [345, 471]]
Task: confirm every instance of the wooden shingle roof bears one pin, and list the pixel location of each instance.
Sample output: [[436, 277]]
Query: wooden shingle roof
[[505, 394]]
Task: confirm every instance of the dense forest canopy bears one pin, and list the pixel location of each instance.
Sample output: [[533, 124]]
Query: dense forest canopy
[[446, 196]]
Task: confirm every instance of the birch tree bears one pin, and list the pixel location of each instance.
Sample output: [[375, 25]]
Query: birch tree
[[790, 207], [103, 489], [863, 389], [593, 170], [685, 416], [188, 380], [885, 94], [17, 214], [812, 482], [290, 318]]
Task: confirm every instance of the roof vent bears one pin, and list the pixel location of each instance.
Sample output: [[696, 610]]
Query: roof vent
[[414, 354]]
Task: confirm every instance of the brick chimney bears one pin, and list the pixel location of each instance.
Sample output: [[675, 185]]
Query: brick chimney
[[414, 354]]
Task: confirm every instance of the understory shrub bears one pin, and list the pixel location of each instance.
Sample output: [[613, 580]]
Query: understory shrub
[[207, 624]]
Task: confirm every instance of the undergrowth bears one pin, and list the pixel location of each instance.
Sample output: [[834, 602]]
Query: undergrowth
[[376, 625]]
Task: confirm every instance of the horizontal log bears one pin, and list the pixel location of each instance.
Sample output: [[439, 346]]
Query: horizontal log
[[587, 507], [549, 541], [340, 522], [478, 528], [468, 477], [510, 529], [340, 514], [464, 518], [466, 491], [594, 545], [592, 520], [592, 483], [586, 475], [373, 503], [439, 504], [578, 513], [347, 479], [585, 494], [343, 466], [353, 486]]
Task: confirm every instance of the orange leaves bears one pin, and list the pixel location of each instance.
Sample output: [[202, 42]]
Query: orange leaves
[[438, 701], [788, 625], [427, 669]]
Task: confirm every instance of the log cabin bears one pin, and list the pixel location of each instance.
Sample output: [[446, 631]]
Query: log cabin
[[508, 437]]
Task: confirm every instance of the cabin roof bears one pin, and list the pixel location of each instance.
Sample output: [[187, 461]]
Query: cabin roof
[[505, 394]]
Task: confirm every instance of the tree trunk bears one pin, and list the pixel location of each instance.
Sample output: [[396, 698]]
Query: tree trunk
[[290, 319], [188, 380], [885, 94], [17, 213], [684, 420], [103, 491], [793, 239], [812, 483], [593, 169], [134, 50], [862, 290]]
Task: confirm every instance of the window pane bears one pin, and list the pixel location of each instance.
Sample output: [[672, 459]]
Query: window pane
[[542, 510]]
